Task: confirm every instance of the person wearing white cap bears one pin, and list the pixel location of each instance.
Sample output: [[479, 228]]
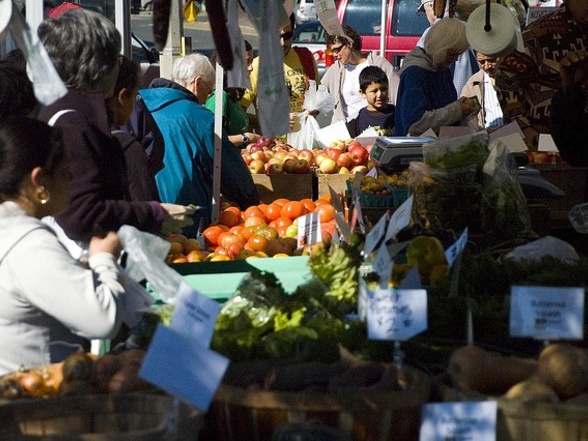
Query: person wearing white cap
[[465, 65]]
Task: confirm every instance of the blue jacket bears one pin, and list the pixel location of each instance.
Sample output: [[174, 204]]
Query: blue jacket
[[188, 132]]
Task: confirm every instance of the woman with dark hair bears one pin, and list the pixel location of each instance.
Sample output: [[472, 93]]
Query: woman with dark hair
[[84, 48], [342, 78], [48, 312], [140, 171], [17, 97]]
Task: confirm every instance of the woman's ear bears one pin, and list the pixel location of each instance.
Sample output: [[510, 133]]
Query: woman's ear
[[37, 177]]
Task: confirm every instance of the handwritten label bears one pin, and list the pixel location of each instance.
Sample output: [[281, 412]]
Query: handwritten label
[[376, 234], [547, 313], [382, 266], [309, 230], [462, 421], [396, 314], [180, 365], [458, 246], [195, 314], [400, 219]]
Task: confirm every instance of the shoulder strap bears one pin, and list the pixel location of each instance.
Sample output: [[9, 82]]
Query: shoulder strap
[[307, 61]]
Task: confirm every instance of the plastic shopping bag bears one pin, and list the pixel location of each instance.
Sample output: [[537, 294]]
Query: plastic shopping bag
[[146, 254], [304, 134]]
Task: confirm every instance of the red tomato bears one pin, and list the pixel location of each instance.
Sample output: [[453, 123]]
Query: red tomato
[[293, 210], [257, 242]]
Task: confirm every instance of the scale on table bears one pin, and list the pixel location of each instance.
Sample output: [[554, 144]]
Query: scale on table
[[394, 153]]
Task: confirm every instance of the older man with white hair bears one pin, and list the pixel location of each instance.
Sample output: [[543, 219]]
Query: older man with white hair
[[177, 106]]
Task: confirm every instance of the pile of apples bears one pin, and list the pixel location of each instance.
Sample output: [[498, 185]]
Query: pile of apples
[[265, 230], [274, 156]]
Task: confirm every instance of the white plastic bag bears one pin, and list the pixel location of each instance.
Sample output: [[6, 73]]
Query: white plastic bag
[[545, 246], [304, 134], [146, 254]]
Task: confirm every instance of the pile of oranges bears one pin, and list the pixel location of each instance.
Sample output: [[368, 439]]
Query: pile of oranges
[[265, 230]]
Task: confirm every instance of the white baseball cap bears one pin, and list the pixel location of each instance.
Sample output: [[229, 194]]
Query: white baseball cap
[[421, 7]]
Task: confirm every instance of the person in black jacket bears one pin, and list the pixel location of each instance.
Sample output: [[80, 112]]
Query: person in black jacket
[[569, 110]]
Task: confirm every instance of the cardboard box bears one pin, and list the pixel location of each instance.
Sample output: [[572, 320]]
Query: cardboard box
[[290, 186], [219, 280]]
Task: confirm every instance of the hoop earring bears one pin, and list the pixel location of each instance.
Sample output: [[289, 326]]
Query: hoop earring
[[43, 196]]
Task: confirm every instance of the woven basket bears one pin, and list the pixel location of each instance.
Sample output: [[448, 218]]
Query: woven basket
[[113, 417], [239, 414], [517, 420]]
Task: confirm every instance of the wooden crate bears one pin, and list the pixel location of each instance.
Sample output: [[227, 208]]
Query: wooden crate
[[336, 181], [290, 186], [241, 414]]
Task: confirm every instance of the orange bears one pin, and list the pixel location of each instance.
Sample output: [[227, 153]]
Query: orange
[[252, 211], [255, 221], [282, 221], [257, 242], [211, 235], [281, 201], [234, 209], [309, 204], [320, 201], [326, 212], [177, 237], [293, 210], [272, 211], [229, 218], [179, 258]]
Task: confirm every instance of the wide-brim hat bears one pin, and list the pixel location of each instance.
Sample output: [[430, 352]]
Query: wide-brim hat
[[421, 7]]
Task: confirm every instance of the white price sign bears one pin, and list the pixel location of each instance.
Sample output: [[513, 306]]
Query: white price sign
[[396, 314], [463, 421], [547, 313]]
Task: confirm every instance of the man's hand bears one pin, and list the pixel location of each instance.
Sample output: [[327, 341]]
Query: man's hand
[[107, 244], [574, 69]]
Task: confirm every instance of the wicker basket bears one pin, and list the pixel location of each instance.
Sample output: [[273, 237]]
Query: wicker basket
[[517, 420], [113, 417], [239, 414]]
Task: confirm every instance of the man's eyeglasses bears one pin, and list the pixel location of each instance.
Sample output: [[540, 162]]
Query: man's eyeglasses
[[286, 35], [337, 49]]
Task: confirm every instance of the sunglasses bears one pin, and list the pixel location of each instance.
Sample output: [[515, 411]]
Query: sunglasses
[[337, 49], [286, 35]]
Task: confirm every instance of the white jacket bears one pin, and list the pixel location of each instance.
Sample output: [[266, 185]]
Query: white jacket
[[47, 297]]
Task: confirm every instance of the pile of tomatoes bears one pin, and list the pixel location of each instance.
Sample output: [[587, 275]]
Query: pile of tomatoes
[[265, 230]]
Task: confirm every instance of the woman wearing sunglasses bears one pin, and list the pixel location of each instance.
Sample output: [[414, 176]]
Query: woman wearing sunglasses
[[342, 78]]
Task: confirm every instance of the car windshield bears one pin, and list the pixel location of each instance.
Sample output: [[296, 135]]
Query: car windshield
[[365, 17], [309, 33]]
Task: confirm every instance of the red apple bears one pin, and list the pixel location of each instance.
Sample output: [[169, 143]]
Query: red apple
[[268, 155], [289, 165], [359, 154], [302, 166], [274, 169], [258, 155], [369, 147], [306, 154], [246, 157], [319, 158], [328, 166], [359, 169], [256, 166], [280, 155], [291, 155], [254, 148], [264, 141], [344, 160], [333, 153]]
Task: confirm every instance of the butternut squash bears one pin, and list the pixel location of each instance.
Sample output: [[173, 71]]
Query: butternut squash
[[564, 367], [532, 390], [474, 368]]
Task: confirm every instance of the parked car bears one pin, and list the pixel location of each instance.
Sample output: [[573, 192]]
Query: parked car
[[403, 26], [312, 36], [304, 11]]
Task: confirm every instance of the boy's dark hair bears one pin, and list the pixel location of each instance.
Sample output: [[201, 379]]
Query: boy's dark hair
[[129, 74], [371, 75], [17, 96]]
